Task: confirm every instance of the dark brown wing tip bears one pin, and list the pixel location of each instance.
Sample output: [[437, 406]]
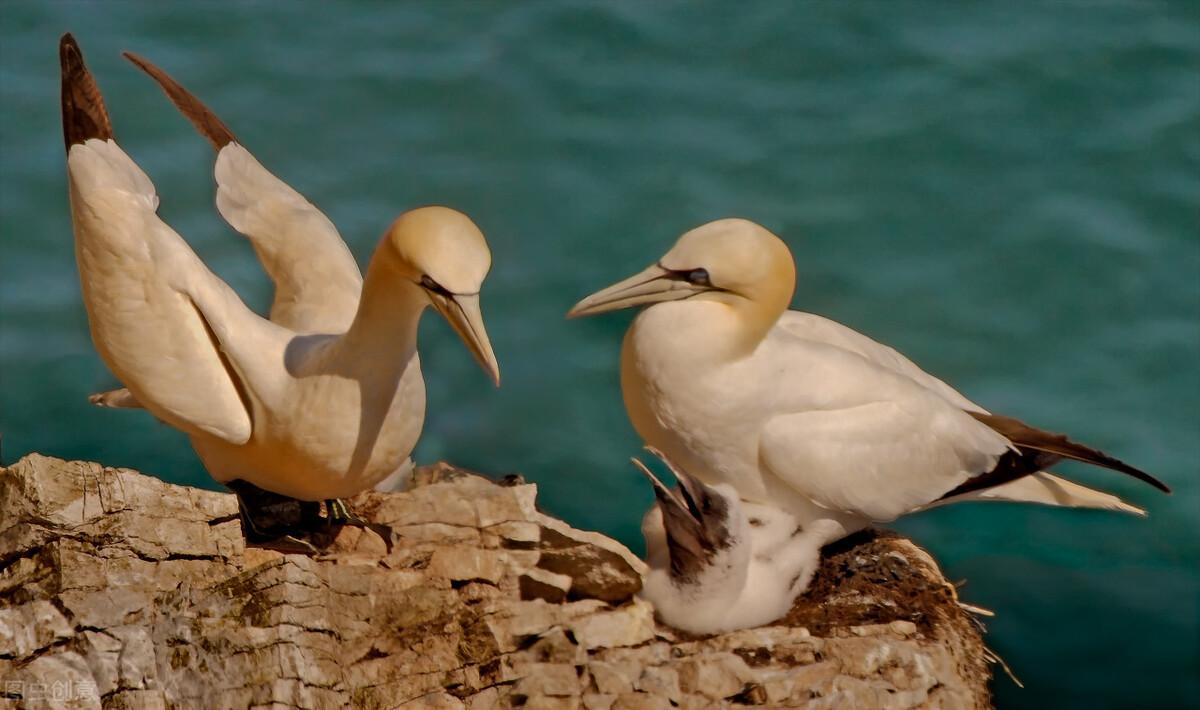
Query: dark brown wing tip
[[1028, 437], [1119, 465], [205, 121], [83, 112], [1156, 483]]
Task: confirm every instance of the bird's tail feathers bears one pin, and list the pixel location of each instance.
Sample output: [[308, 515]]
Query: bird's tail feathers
[[115, 399], [1047, 489]]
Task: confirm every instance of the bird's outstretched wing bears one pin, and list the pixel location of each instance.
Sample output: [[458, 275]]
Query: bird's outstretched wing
[[138, 276], [317, 282]]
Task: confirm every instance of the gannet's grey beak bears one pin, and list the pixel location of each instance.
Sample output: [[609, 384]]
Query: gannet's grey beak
[[464, 315], [653, 285], [703, 503], [661, 492]]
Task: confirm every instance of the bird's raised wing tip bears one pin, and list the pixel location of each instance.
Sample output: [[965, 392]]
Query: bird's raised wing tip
[[83, 112], [202, 117]]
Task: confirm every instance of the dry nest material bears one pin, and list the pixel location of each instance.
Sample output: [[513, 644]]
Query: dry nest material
[[864, 580]]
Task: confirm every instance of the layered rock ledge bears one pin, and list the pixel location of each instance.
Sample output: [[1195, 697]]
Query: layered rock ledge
[[118, 590]]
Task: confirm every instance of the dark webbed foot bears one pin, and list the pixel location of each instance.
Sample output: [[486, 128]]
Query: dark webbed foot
[[339, 514], [288, 544], [272, 520], [279, 522], [310, 515]]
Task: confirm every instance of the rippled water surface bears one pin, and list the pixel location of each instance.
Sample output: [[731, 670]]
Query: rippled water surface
[[1009, 197]]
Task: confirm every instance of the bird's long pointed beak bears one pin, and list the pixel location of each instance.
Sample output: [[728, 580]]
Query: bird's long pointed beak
[[462, 311], [653, 285], [690, 489], [689, 539], [661, 492]]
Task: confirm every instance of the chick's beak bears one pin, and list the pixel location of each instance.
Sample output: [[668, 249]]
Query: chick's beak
[[462, 311], [685, 534], [653, 285]]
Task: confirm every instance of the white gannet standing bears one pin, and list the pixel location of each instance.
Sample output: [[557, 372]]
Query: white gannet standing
[[717, 563], [799, 412], [309, 416]]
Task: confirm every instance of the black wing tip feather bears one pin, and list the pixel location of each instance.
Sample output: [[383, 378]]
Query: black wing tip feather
[[1028, 438], [1116, 464], [83, 112], [201, 117]]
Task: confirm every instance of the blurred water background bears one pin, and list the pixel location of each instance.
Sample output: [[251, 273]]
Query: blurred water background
[[1008, 193]]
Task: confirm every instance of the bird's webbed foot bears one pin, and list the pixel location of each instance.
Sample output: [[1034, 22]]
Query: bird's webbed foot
[[274, 521], [287, 544], [338, 513]]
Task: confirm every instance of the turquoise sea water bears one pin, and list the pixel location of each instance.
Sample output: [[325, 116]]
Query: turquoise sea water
[[1008, 193]]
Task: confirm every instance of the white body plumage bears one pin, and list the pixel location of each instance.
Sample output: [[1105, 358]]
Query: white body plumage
[[800, 413]]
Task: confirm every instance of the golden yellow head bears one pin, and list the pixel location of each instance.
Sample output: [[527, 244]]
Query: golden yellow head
[[732, 261], [442, 244], [444, 253]]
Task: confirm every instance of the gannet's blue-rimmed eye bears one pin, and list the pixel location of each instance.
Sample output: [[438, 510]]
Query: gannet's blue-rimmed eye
[[698, 277]]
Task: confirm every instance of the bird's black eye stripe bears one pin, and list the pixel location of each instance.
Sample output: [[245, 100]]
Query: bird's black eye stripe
[[431, 285]]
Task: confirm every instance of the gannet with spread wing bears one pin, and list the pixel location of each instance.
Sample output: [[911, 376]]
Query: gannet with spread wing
[[317, 282], [800, 412], [307, 415]]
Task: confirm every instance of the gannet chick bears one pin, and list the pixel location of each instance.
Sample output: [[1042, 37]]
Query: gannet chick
[[309, 416], [800, 412], [717, 563]]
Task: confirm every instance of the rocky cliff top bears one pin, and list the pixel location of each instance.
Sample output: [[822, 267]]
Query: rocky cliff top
[[118, 590]]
